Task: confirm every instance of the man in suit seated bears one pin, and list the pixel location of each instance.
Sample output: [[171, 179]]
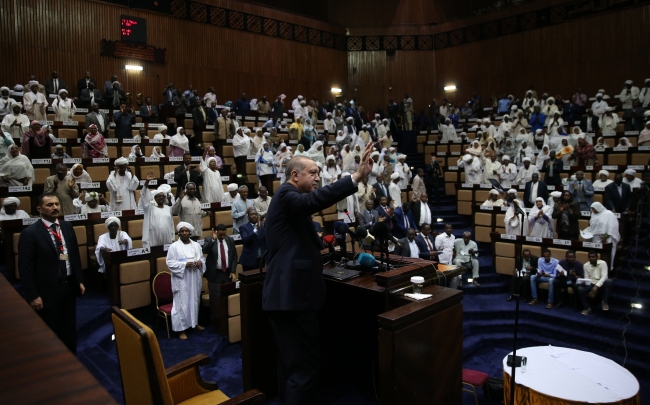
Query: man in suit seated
[[421, 211], [589, 123], [409, 247], [381, 190], [582, 191], [89, 96], [368, 217], [403, 220], [383, 208], [221, 263], [618, 195], [252, 235], [148, 112], [535, 189], [426, 243], [527, 265]]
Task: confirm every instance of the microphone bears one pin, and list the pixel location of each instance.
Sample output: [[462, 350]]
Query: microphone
[[341, 229], [345, 211], [329, 241], [367, 260], [361, 233]]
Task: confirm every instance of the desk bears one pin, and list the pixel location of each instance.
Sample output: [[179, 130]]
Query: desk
[[559, 375], [35, 366]]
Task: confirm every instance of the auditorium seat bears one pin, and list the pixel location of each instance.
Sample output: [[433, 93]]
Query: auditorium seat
[[617, 159], [67, 133], [557, 253], [504, 265], [640, 158], [144, 170], [77, 152], [137, 243], [500, 220], [465, 207], [98, 173], [505, 249], [112, 152], [206, 221], [482, 234], [79, 118], [40, 175], [234, 319], [227, 151], [134, 284], [484, 219], [134, 228], [480, 196]]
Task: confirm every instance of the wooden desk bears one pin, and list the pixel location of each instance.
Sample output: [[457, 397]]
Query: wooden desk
[[368, 329], [35, 366]]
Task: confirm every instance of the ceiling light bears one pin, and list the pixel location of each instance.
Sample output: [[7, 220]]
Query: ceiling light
[[450, 88], [132, 67], [336, 90], [638, 306]]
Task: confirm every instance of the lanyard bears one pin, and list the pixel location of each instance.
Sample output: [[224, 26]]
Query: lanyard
[[56, 234]]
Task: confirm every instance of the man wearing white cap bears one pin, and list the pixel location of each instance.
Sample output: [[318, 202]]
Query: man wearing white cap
[[599, 106], [404, 171], [122, 183], [513, 220], [394, 191], [472, 166], [332, 172], [63, 106], [631, 179], [603, 181], [554, 198], [158, 227], [507, 172], [9, 210], [15, 124], [377, 169], [348, 128], [382, 129], [187, 264], [112, 241], [644, 95], [35, 103], [295, 104], [493, 200], [492, 168], [328, 124], [609, 121], [526, 172], [628, 94], [188, 208], [6, 102], [232, 195], [90, 202]]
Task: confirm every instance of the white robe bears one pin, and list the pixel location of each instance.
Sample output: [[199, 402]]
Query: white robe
[[189, 210], [230, 199], [63, 109], [503, 128], [448, 133], [473, 171], [507, 175], [599, 184], [212, 186], [241, 145], [377, 169], [541, 227], [636, 183], [513, 221], [186, 283], [404, 174], [105, 241], [18, 130], [396, 194], [604, 223], [158, 227], [599, 108], [81, 208], [351, 202], [122, 187], [32, 103], [20, 214], [331, 174], [490, 203], [490, 167], [525, 175], [608, 124]]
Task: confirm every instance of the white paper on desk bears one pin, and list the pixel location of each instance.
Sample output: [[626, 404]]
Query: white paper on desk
[[585, 281], [417, 296], [557, 351]]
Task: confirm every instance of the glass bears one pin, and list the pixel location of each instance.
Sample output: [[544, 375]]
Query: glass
[[418, 283], [523, 364]]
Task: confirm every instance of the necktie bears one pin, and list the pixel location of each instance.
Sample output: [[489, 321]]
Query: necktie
[[63, 268], [202, 113], [149, 108], [224, 266], [56, 86], [428, 243], [406, 221]]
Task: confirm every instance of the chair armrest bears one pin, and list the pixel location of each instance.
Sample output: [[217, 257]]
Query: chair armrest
[[249, 397], [185, 380], [196, 361]]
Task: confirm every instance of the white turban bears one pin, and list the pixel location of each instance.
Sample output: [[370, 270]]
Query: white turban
[[17, 105], [538, 131], [154, 193], [299, 97], [184, 225], [349, 119], [505, 157], [121, 161], [556, 194], [330, 157], [247, 130], [232, 187], [33, 82], [165, 188], [162, 128], [599, 94], [400, 157], [4, 88], [92, 196], [494, 191], [605, 172], [628, 82], [10, 200], [394, 176], [512, 191], [375, 153], [526, 159], [111, 220], [514, 108], [630, 172], [63, 91]]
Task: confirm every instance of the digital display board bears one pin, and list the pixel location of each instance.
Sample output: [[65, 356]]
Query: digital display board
[[134, 29]]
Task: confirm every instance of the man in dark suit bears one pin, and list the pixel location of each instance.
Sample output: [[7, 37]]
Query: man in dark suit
[[384, 209], [527, 263], [124, 120], [114, 96], [148, 112], [589, 123], [54, 84], [433, 178], [252, 234], [98, 118], [422, 211], [108, 84], [294, 290], [212, 113], [221, 255], [618, 195], [84, 83], [199, 118], [535, 189], [409, 247], [403, 220], [381, 190], [181, 175], [426, 243], [368, 217], [50, 269], [168, 93], [89, 96], [552, 167]]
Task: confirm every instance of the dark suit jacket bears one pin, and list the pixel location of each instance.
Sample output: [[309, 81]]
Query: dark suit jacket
[[294, 274], [556, 180], [49, 86], [181, 179], [198, 117], [84, 96], [108, 97], [38, 261], [424, 249], [399, 229], [542, 191], [211, 248], [533, 263], [252, 244], [81, 84], [614, 201], [211, 115], [594, 123], [365, 219], [415, 213], [144, 112], [91, 118], [405, 249], [379, 194]]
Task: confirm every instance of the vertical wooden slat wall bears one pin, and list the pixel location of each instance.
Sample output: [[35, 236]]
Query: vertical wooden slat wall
[[39, 36]]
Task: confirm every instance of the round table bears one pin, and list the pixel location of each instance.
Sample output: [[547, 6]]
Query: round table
[[559, 375]]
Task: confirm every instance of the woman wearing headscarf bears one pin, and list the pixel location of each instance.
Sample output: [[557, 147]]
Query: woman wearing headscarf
[[94, 144], [392, 154], [36, 144], [258, 140], [158, 226], [79, 175], [212, 186], [16, 169], [300, 151], [540, 222], [210, 152], [567, 213], [565, 152], [601, 145], [282, 158], [524, 136], [344, 152], [644, 136], [485, 139], [542, 156], [623, 142], [253, 105], [349, 159], [136, 152], [63, 106], [508, 149], [179, 144], [264, 160], [112, 241], [5, 143], [157, 153], [308, 125], [524, 151], [505, 126], [603, 228], [576, 133], [342, 139], [556, 125], [308, 138], [584, 153], [316, 153]]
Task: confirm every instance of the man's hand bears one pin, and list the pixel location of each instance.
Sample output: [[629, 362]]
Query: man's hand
[[529, 268], [214, 235], [37, 304], [187, 168], [71, 182], [595, 289], [82, 288], [233, 276], [105, 249], [182, 194], [365, 167], [382, 219]]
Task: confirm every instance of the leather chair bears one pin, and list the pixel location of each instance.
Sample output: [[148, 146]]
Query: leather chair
[[145, 380]]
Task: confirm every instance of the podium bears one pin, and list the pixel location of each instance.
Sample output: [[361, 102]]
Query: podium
[[372, 336]]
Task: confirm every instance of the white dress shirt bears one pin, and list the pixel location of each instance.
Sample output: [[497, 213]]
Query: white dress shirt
[[415, 251], [533, 192], [445, 245], [425, 213], [48, 224], [225, 248]]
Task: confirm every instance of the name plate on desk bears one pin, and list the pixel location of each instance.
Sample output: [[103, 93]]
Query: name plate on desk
[[236, 236], [41, 161], [435, 132], [209, 126], [111, 140], [566, 167], [175, 158], [522, 187], [54, 95], [46, 122], [29, 221], [152, 159], [636, 167], [504, 208], [423, 132], [229, 140], [487, 108], [131, 160], [457, 141], [486, 207], [205, 206], [109, 214], [138, 125], [455, 153], [589, 167], [509, 237], [151, 183], [614, 167], [631, 133], [60, 140], [139, 212], [452, 168], [72, 160], [644, 147], [562, 242], [533, 239], [468, 185], [485, 185], [130, 140], [250, 157], [155, 140], [225, 178], [431, 142], [200, 242], [551, 188], [154, 125], [88, 185], [138, 252], [617, 215], [101, 160], [19, 189], [585, 213], [75, 217], [293, 142], [620, 149], [82, 110], [441, 153], [225, 204], [196, 158], [166, 247], [599, 188], [592, 245], [188, 115], [71, 123]]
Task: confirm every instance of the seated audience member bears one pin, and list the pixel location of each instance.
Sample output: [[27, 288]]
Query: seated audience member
[[10, 210], [89, 202], [597, 272], [540, 223], [240, 209], [158, 226], [426, 243], [162, 134], [582, 191], [59, 152], [157, 153], [466, 254], [525, 266], [221, 263], [603, 181], [515, 221], [122, 185], [179, 144], [445, 245], [409, 247], [492, 168], [232, 193], [572, 271], [554, 199], [535, 189], [603, 228], [94, 145], [547, 269], [368, 217], [493, 200], [644, 136], [65, 188], [567, 212], [631, 179], [188, 208], [618, 195], [136, 152], [112, 241], [508, 172], [599, 107], [16, 169], [253, 236], [525, 173]]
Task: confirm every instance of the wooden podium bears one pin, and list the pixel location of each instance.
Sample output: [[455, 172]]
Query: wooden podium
[[372, 336]]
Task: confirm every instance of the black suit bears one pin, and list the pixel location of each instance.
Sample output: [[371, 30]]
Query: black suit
[[368, 220], [379, 193], [525, 280], [110, 93], [38, 265], [253, 242], [416, 208], [212, 248], [181, 179], [49, 86], [197, 117], [212, 115], [425, 253], [84, 97], [594, 123], [146, 116], [81, 84], [616, 201], [91, 118], [542, 191], [294, 289], [405, 249], [558, 166]]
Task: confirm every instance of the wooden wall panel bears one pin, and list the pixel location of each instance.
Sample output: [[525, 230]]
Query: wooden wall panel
[[46, 35]]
